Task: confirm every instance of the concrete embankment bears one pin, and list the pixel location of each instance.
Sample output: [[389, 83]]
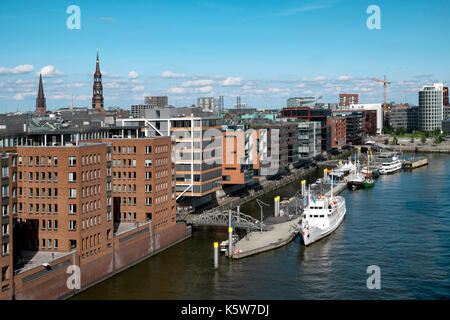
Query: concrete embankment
[[257, 242]]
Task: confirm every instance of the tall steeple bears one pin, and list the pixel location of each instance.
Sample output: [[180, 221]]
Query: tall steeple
[[41, 108], [97, 96]]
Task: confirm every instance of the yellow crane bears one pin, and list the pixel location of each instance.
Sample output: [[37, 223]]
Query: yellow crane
[[385, 83]]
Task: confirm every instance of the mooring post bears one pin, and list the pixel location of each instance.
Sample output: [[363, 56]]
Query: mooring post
[[216, 255], [230, 235]]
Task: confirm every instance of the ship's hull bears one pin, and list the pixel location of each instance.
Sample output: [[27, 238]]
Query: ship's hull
[[313, 234]]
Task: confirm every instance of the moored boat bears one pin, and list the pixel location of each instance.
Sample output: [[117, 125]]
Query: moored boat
[[321, 217]]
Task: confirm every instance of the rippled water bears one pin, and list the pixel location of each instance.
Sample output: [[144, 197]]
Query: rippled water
[[401, 225]]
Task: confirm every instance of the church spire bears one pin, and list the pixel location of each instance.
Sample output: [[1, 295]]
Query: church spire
[[97, 90], [40, 100]]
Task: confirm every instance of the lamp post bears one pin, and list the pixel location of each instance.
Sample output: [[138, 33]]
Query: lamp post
[[260, 203]]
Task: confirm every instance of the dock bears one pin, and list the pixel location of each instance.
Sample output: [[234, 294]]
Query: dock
[[280, 234], [257, 242], [414, 163]]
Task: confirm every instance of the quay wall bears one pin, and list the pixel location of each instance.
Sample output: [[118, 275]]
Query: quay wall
[[129, 248]]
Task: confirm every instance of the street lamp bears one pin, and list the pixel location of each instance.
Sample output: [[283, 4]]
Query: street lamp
[[260, 203]]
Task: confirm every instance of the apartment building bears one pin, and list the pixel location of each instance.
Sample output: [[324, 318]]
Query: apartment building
[[345, 100], [197, 153], [142, 181], [311, 114], [63, 201], [237, 146], [338, 131], [309, 139], [157, 101], [8, 162]]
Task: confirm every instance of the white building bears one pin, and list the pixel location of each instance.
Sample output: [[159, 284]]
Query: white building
[[431, 107], [369, 106]]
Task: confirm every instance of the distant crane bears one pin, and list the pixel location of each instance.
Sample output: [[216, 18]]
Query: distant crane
[[385, 83]]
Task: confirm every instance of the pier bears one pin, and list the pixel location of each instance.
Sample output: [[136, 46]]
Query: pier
[[281, 233], [414, 163]]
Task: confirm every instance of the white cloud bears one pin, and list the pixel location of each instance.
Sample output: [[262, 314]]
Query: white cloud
[[197, 83], [177, 90], [76, 85], [133, 75], [140, 88], [345, 78], [24, 95], [60, 97], [232, 82], [106, 74], [316, 79], [203, 89], [26, 68], [169, 74], [50, 71], [84, 97]]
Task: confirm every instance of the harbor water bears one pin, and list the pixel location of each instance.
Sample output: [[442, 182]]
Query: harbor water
[[402, 225]]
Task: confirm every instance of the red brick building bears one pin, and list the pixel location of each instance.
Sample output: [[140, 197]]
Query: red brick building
[[6, 218], [338, 131], [345, 100], [142, 181]]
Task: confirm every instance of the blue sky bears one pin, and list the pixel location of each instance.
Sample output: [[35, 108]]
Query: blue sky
[[264, 51]]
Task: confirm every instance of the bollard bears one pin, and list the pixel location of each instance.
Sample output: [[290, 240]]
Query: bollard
[[276, 206], [216, 255], [303, 188], [325, 177]]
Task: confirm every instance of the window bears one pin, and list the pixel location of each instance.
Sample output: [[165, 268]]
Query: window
[[5, 248], [72, 193], [148, 163], [72, 161], [72, 225], [72, 177], [55, 243], [55, 162], [148, 201], [72, 208]]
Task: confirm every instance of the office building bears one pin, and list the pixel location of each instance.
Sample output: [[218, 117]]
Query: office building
[[431, 107], [6, 223], [298, 102], [368, 106]]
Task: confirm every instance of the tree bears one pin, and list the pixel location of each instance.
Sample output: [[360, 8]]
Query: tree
[[386, 141], [395, 141], [412, 140], [424, 139]]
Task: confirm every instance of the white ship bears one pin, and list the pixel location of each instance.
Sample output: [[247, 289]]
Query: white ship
[[391, 167], [321, 217]]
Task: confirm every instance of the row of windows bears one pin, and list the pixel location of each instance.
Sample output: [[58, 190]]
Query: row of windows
[[123, 188], [49, 225], [126, 163], [40, 208], [37, 176], [123, 150], [90, 241], [90, 222], [123, 175], [90, 191]]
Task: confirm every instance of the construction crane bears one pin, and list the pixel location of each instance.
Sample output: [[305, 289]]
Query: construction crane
[[385, 83]]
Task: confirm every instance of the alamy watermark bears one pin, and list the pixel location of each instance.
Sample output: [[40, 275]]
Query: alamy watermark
[[74, 280], [374, 20], [374, 280], [74, 20]]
